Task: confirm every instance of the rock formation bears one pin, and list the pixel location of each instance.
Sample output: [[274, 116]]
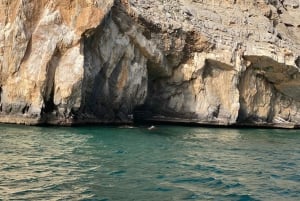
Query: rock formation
[[230, 62]]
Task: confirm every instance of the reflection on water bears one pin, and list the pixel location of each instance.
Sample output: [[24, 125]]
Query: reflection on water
[[167, 163]]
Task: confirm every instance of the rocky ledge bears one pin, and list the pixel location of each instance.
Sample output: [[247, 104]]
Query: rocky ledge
[[230, 62]]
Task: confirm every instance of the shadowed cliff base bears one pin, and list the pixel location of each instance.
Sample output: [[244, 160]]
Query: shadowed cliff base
[[145, 117], [193, 62]]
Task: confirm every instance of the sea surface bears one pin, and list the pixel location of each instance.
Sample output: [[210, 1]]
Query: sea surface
[[165, 163]]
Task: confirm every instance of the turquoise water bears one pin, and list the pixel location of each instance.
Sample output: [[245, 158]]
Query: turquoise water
[[167, 163]]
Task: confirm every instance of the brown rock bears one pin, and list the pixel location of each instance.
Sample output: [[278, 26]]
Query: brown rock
[[202, 61]]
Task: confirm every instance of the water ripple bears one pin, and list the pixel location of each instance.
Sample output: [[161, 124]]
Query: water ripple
[[169, 163]]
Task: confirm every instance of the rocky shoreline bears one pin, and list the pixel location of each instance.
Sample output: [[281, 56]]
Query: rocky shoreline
[[222, 63]]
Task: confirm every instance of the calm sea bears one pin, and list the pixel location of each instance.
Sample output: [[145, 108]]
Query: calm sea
[[166, 163]]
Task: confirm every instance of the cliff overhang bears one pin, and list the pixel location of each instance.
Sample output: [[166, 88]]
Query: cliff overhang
[[108, 61]]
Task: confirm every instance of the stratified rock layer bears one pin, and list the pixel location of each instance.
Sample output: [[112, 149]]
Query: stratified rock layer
[[200, 61]]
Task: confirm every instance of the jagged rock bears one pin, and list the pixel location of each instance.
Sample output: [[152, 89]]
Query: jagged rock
[[97, 61]]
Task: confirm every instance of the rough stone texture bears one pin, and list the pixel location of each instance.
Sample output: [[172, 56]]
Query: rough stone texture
[[42, 58], [209, 62]]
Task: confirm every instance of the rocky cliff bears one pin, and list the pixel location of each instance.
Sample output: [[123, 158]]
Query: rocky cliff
[[230, 62]]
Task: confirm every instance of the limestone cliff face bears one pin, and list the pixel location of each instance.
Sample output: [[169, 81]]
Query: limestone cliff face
[[202, 61]]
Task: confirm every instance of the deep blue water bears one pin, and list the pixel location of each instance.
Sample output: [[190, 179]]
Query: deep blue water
[[167, 163]]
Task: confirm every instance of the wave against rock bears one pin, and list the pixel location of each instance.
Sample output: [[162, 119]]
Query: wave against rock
[[230, 62]]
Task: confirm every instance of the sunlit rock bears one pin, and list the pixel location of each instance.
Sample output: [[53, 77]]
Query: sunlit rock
[[207, 62]]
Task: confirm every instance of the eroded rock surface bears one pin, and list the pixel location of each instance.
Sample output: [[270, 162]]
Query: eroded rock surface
[[209, 62]]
